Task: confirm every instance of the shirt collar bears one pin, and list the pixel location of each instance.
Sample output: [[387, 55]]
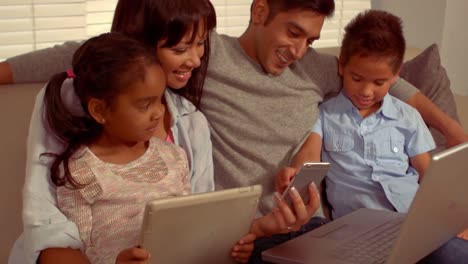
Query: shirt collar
[[177, 105], [343, 104], [387, 109]]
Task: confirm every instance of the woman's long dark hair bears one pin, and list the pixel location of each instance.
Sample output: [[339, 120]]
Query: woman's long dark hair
[[153, 20], [103, 67]]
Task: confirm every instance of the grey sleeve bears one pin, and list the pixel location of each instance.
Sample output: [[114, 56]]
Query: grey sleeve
[[334, 80], [40, 65], [323, 69], [403, 90]]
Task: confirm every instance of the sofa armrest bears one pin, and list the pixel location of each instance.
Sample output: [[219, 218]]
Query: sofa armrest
[[16, 103]]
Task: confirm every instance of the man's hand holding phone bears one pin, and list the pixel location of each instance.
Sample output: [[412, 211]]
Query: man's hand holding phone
[[287, 218], [289, 177], [294, 208]]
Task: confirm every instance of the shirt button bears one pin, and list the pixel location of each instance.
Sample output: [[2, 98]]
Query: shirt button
[[364, 128], [395, 149], [377, 178]]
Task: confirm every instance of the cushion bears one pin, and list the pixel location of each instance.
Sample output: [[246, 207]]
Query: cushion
[[427, 74]]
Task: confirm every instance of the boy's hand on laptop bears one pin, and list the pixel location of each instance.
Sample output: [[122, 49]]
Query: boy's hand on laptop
[[242, 251], [133, 255], [283, 178], [464, 234], [284, 219]]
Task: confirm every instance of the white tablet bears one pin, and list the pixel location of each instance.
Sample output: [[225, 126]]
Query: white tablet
[[198, 228]]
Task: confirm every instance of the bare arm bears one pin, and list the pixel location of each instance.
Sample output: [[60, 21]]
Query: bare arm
[[436, 118], [420, 163], [464, 234], [242, 250], [62, 255], [310, 151]]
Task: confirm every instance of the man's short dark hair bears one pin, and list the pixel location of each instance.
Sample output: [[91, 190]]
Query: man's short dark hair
[[323, 7]]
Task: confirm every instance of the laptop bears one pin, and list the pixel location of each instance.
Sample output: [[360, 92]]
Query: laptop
[[438, 212], [198, 228]]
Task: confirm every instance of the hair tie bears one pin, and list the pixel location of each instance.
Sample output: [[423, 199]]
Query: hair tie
[[71, 74]]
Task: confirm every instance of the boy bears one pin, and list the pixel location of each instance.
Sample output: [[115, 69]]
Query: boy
[[376, 144]]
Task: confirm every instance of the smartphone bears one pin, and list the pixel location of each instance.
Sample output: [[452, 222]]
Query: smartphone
[[310, 172]]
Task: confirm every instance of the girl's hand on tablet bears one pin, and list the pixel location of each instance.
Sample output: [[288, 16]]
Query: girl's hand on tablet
[[135, 255], [242, 251]]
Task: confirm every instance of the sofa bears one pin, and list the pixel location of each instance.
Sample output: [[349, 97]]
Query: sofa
[[16, 102]]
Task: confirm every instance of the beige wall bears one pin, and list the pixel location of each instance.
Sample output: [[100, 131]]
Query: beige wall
[[436, 21], [455, 39], [423, 20]]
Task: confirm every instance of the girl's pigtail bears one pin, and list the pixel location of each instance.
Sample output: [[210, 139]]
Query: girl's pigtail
[[70, 129]]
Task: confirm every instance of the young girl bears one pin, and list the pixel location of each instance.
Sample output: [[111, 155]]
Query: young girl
[[112, 164]]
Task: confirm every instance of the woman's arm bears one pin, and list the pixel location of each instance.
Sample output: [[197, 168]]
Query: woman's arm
[[38, 66], [202, 178], [192, 133], [44, 224]]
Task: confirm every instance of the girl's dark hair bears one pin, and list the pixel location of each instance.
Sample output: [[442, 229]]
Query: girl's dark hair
[[151, 21], [374, 33], [103, 67]]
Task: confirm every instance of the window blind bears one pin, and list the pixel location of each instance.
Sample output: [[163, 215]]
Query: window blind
[[27, 25], [99, 15], [234, 15]]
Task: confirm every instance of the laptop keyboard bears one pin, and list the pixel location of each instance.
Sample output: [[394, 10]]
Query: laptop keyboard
[[370, 247]]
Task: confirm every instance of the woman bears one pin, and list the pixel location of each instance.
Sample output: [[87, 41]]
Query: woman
[[179, 32]]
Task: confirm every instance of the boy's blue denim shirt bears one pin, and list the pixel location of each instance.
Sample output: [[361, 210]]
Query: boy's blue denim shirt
[[369, 157]]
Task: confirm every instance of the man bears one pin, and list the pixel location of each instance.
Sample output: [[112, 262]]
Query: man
[[263, 89]]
